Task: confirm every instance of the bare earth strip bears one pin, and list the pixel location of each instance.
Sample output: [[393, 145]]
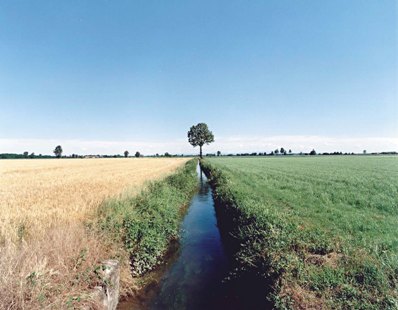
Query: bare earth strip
[[43, 204]]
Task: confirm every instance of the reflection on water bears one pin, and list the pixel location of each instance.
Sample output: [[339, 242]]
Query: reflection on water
[[194, 281]]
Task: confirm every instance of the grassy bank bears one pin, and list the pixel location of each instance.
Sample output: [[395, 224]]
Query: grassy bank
[[147, 223], [322, 228]]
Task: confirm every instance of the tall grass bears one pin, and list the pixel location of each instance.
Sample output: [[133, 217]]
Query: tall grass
[[324, 228]]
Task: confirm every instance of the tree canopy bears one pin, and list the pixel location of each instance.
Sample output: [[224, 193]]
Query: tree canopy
[[58, 151], [199, 135]]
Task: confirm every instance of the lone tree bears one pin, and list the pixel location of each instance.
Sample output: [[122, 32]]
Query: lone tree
[[218, 153], [199, 135], [137, 154], [58, 151], [126, 153]]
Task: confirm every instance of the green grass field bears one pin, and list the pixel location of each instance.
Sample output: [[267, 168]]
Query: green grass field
[[325, 227]]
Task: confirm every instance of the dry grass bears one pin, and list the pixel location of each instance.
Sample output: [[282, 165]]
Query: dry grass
[[46, 254]]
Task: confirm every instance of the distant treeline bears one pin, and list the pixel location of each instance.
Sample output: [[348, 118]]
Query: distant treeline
[[313, 152], [17, 156], [33, 155], [137, 154]]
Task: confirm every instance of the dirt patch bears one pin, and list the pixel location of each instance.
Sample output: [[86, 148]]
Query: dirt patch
[[331, 259], [301, 298]]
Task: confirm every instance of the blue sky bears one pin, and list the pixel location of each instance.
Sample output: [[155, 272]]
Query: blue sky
[[105, 76]]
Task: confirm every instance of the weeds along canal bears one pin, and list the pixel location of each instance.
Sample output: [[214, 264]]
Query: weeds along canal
[[195, 278]]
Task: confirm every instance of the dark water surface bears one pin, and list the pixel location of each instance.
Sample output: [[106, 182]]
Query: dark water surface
[[194, 277], [195, 280]]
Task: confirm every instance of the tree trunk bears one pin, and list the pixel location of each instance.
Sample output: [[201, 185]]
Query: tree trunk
[[201, 151]]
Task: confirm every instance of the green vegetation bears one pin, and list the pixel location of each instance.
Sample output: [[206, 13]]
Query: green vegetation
[[147, 223], [323, 228], [24, 155], [199, 135], [58, 151]]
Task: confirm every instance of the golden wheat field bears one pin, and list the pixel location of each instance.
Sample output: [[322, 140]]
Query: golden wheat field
[[43, 207], [37, 194]]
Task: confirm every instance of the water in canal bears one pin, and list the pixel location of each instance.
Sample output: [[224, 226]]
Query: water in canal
[[195, 280], [194, 276]]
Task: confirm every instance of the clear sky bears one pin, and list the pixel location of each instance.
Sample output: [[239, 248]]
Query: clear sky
[[105, 76]]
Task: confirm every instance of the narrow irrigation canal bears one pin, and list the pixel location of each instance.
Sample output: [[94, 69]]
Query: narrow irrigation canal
[[195, 279]]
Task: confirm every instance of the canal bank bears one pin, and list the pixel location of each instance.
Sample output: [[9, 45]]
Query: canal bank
[[200, 272], [247, 283], [196, 280]]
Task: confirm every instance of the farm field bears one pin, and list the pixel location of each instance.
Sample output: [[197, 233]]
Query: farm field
[[325, 227], [38, 194], [45, 204]]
